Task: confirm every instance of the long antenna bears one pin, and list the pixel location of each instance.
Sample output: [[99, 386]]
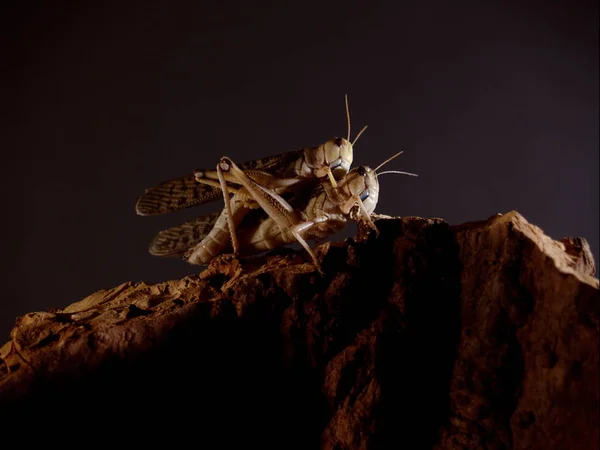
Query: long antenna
[[358, 135], [388, 160], [397, 171], [347, 115]]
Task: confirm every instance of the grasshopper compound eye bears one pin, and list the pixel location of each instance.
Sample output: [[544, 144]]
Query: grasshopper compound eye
[[338, 141], [362, 171]]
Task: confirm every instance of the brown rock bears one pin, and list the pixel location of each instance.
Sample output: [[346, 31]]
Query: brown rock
[[483, 335]]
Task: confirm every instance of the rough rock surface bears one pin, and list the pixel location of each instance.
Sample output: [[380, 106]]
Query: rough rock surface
[[483, 335]]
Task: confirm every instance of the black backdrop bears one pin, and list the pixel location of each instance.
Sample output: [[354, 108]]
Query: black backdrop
[[495, 105]]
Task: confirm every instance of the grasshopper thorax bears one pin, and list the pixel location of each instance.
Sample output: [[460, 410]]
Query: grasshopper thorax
[[335, 155]]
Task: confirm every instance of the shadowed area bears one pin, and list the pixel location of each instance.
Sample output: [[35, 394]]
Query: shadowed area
[[427, 336]]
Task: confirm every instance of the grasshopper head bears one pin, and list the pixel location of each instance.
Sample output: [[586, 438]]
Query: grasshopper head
[[336, 155], [360, 183], [339, 155], [358, 191], [366, 186]]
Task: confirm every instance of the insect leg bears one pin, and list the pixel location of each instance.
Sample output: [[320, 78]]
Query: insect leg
[[327, 171], [305, 226], [231, 225], [355, 200], [367, 216], [331, 178], [274, 205]]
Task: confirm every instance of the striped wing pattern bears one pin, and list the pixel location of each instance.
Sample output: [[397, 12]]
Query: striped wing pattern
[[173, 195], [184, 192], [178, 240]]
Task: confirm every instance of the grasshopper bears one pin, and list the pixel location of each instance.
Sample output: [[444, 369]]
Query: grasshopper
[[307, 215], [283, 174], [326, 209]]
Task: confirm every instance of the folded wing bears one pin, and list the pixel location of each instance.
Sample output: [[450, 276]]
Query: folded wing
[[178, 240]]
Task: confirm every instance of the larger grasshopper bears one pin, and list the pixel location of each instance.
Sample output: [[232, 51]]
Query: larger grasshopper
[[285, 174], [308, 215]]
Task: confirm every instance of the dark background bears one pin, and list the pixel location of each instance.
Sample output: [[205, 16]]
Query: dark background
[[495, 105]]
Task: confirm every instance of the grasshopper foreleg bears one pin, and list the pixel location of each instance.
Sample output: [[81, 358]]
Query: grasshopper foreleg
[[356, 201], [326, 171]]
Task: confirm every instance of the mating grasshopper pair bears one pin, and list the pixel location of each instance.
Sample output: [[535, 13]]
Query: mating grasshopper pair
[[297, 196]]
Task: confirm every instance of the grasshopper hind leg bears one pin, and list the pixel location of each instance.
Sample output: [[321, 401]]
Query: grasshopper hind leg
[[230, 222], [304, 226]]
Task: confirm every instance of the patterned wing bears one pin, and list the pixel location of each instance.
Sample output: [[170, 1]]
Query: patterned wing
[[178, 240], [278, 165], [176, 194], [185, 191]]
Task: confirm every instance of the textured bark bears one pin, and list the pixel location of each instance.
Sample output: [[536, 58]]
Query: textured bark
[[483, 335]]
